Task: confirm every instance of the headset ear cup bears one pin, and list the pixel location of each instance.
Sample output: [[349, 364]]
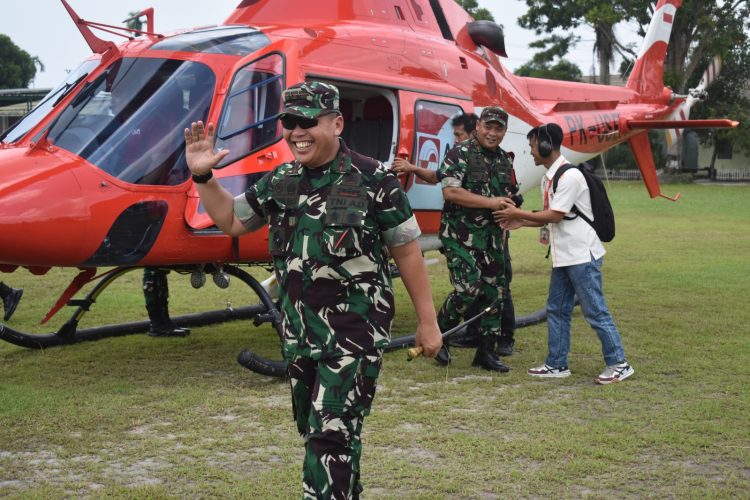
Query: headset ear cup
[[544, 147]]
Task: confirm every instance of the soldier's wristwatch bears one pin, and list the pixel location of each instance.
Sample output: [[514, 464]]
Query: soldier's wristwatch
[[203, 178]]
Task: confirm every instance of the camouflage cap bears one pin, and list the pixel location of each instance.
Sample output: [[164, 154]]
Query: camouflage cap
[[309, 99], [494, 114]]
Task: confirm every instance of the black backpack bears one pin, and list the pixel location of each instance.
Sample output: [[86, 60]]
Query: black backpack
[[604, 217]]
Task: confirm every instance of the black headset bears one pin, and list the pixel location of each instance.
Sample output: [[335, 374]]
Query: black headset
[[544, 146]]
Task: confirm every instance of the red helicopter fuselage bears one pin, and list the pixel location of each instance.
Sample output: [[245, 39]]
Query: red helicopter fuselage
[[96, 175]]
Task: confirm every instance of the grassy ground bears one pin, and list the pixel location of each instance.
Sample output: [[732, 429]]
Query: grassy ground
[[137, 417]]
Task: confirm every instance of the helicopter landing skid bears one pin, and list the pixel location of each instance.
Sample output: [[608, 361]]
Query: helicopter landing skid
[[69, 333]]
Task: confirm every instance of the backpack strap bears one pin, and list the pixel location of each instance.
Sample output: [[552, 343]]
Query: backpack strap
[[556, 179]]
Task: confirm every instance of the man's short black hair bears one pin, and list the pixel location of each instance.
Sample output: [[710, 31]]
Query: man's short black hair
[[548, 131], [468, 120]]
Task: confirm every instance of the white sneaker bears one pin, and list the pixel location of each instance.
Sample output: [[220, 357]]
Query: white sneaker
[[546, 371], [615, 373]]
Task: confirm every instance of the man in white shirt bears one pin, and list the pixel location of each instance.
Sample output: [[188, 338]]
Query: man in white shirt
[[577, 256]]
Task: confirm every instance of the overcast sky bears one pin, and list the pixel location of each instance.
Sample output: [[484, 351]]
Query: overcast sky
[[43, 28]]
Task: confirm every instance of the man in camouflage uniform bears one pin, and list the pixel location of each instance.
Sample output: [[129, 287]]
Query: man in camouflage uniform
[[333, 217], [477, 176], [464, 126]]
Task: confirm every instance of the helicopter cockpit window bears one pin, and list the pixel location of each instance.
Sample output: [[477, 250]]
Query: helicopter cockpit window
[[50, 100], [130, 120], [249, 119], [234, 40]]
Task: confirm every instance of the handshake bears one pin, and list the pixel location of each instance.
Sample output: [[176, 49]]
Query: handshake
[[506, 213], [502, 207]]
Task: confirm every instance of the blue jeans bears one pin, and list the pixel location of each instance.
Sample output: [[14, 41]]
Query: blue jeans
[[585, 281]]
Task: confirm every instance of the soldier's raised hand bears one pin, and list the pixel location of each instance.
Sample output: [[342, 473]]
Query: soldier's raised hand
[[199, 148]]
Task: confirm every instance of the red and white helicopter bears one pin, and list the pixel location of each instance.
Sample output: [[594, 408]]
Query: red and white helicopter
[[98, 167]]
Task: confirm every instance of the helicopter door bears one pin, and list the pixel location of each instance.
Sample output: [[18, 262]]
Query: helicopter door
[[247, 122], [369, 125], [430, 137]]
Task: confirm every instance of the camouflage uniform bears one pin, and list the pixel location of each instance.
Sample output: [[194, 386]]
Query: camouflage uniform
[[156, 295], [329, 228], [155, 287], [472, 242]]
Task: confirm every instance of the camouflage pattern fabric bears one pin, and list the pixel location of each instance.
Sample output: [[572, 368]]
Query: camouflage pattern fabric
[[472, 242], [494, 114], [329, 229], [482, 172], [330, 398], [155, 287], [310, 99], [477, 279]]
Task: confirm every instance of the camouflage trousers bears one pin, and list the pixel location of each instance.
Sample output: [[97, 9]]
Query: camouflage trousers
[[330, 398], [478, 279], [155, 286]]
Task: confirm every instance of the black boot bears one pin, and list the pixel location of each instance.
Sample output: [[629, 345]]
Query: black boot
[[161, 324], [443, 357], [11, 298], [505, 345], [487, 358]]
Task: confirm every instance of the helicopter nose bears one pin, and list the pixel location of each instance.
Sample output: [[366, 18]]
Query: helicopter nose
[[42, 211]]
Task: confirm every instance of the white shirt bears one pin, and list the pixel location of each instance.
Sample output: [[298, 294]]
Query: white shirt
[[572, 241]]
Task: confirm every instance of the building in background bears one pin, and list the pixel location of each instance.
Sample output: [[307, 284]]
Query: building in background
[[15, 103]]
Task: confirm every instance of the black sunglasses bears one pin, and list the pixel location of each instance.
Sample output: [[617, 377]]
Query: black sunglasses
[[290, 122]]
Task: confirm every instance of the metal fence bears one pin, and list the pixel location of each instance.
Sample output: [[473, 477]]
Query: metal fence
[[733, 175], [620, 175], [724, 175]]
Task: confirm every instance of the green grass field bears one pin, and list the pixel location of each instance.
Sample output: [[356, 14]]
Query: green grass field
[[137, 417]]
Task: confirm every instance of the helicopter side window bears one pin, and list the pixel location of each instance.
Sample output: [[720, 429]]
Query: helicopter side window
[[129, 121], [249, 119]]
